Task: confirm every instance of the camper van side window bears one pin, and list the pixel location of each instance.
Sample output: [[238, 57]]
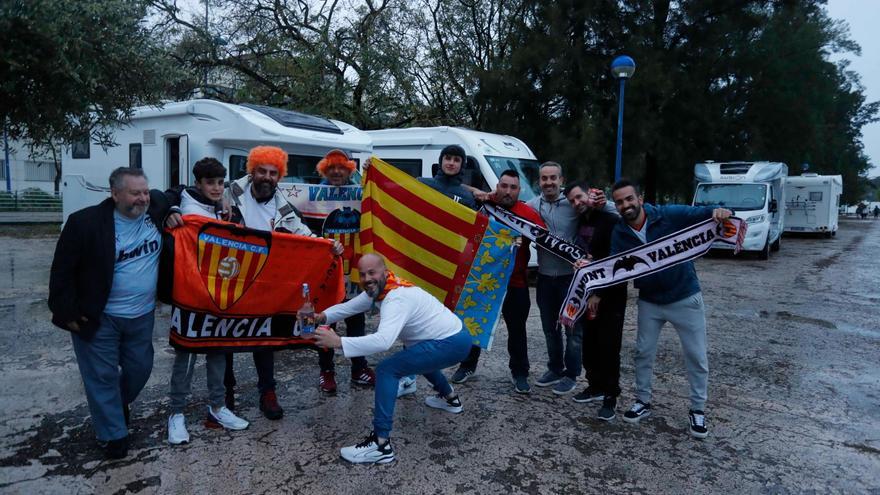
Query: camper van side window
[[79, 149], [237, 166], [815, 195], [134, 155], [471, 175], [411, 166]]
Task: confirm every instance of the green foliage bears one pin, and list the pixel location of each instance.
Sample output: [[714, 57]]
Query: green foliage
[[72, 65]]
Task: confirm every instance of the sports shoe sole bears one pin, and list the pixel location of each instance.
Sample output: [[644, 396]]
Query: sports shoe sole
[[382, 460], [213, 419], [565, 392], [517, 390], [547, 384], [598, 398], [606, 419], [638, 418], [697, 434], [445, 407], [179, 442]]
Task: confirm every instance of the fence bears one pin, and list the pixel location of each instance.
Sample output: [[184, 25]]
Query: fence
[[34, 200]]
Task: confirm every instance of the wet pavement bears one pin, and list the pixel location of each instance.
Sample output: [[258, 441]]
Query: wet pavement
[[793, 402]]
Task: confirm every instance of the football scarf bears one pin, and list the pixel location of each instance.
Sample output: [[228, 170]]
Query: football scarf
[[678, 247], [537, 234], [238, 289]]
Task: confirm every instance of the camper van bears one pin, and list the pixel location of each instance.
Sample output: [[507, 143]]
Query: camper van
[[755, 191], [811, 203], [416, 151], [166, 142]]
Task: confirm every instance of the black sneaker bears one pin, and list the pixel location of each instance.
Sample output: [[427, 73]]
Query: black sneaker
[[369, 451], [588, 395], [637, 412], [698, 424], [116, 449], [606, 413], [521, 385], [461, 375]]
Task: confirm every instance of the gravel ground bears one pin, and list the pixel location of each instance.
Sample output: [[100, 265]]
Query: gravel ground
[[793, 402]]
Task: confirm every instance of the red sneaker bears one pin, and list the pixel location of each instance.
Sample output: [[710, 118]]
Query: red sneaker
[[365, 376], [327, 382], [269, 405]]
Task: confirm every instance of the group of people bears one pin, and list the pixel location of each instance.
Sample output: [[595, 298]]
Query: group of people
[[105, 273]]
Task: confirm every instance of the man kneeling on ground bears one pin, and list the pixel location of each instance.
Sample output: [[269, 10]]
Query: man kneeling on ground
[[434, 338]]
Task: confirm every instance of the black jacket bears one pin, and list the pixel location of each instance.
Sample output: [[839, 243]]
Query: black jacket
[[594, 235], [82, 269], [450, 185]]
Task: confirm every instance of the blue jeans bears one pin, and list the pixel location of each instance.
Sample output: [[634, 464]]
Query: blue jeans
[[125, 343], [425, 358], [564, 360]]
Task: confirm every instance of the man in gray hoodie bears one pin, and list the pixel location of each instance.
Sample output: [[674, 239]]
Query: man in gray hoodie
[[554, 277]]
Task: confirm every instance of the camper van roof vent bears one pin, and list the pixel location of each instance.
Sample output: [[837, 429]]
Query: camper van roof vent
[[735, 168], [289, 118]]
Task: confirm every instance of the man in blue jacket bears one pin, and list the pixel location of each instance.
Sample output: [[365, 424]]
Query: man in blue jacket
[[671, 295]]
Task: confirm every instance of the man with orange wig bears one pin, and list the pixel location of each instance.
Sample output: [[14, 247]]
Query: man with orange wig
[[336, 169], [257, 203]]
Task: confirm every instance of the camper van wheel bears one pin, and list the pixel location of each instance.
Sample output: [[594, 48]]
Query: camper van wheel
[[764, 254], [775, 246], [829, 234]]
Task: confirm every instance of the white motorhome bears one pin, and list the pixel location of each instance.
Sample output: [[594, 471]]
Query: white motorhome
[[416, 151], [166, 142], [812, 202], [755, 191]]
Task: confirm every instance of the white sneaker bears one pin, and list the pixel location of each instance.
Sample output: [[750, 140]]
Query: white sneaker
[[448, 405], [406, 386], [227, 419], [177, 433], [368, 451]]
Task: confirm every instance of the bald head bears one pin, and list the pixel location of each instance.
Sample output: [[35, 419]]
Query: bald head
[[374, 274]]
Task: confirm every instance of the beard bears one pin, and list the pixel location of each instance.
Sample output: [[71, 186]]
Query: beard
[[263, 189], [373, 289], [631, 213]]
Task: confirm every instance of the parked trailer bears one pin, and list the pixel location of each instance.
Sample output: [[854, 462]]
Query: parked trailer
[[755, 191], [812, 202], [166, 142]]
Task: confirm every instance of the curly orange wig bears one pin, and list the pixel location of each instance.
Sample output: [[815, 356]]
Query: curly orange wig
[[335, 157], [268, 155]]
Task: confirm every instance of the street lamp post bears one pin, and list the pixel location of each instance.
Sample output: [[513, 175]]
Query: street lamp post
[[622, 67]]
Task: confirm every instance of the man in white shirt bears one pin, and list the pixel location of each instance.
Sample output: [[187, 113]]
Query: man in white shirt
[[433, 336]]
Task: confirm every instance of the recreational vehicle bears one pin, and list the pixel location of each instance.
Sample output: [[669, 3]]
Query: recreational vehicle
[[755, 191], [166, 142], [416, 151], [811, 203]]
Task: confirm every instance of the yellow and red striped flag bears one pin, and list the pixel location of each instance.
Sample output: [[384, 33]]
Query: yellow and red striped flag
[[424, 236]]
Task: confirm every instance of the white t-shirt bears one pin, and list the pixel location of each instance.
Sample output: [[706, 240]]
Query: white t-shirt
[[408, 313], [642, 234], [257, 215]]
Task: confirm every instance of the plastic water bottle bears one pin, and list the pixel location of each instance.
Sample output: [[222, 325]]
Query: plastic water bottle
[[307, 313]]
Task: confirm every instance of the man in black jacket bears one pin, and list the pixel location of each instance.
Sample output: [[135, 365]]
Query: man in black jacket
[[102, 289], [603, 324], [448, 179]]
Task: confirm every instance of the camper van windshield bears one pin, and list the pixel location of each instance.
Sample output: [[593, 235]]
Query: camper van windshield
[[527, 170], [734, 196]]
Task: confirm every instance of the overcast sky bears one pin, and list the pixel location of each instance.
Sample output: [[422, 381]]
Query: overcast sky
[[863, 17]]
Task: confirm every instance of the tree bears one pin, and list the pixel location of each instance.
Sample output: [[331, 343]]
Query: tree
[[73, 68]]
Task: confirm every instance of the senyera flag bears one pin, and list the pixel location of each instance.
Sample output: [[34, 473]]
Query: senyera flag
[[238, 289], [458, 255]]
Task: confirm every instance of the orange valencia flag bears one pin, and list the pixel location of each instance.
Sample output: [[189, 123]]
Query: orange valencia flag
[[238, 289]]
